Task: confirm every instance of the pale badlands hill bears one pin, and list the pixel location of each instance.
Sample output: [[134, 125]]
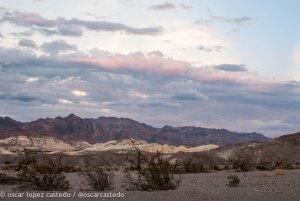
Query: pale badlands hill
[[52, 145]]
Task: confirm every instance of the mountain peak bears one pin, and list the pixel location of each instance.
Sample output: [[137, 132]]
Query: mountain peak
[[72, 116]]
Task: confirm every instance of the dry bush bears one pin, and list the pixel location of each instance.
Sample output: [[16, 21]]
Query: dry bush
[[100, 179], [153, 174], [191, 166], [8, 180], [265, 165], [241, 164], [233, 181], [31, 179], [45, 175]]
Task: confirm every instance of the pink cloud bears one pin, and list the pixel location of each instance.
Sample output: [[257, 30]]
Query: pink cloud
[[160, 65], [138, 61]]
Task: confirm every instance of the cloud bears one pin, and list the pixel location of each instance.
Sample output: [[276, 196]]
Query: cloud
[[168, 6], [163, 6], [231, 67], [187, 96], [215, 48], [27, 43], [78, 93], [238, 22], [183, 6], [57, 46], [72, 27], [112, 27], [103, 83], [32, 79], [149, 63], [64, 101]]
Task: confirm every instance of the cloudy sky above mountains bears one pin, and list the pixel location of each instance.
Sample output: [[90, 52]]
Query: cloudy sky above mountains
[[223, 64]]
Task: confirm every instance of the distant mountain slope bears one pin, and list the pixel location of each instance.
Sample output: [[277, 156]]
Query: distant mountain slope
[[286, 147], [104, 129]]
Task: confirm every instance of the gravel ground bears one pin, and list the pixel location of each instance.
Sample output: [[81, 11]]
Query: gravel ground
[[258, 185]]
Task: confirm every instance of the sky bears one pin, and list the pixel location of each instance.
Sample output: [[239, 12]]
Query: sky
[[219, 64]]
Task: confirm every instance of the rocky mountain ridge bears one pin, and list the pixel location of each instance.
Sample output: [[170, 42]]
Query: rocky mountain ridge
[[104, 129]]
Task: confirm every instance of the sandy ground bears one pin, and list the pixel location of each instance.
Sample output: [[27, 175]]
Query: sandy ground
[[275, 185]]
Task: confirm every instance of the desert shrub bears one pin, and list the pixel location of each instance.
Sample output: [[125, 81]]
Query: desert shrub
[[100, 179], [154, 174], [29, 159], [283, 164], [6, 179], [241, 164], [191, 166], [45, 175], [6, 162], [265, 165], [215, 167], [32, 179], [233, 181]]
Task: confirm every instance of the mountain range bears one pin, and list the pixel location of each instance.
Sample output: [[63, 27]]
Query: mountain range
[[104, 129]]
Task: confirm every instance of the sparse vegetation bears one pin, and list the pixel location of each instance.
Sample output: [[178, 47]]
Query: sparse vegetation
[[233, 181], [6, 179], [100, 179], [43, 175], [152, 175], [241, 164]]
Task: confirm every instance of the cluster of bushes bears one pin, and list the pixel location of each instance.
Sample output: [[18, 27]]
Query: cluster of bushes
[[99, 178], [150, 173], [43, 176], [6, 179], [47, 174], [243, 164], [193, 166]]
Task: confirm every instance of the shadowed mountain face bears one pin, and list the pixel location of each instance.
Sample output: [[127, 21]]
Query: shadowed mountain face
[[104, 129], [286, 148]]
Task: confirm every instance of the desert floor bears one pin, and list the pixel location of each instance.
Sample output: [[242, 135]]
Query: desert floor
[[275, 185]]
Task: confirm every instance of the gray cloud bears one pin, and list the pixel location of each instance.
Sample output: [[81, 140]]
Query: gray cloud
[[21, 34], [110, 26], [163, 6], [72, 27], [238, 22], [183, 6], [215, 48], [231, 68], [27, 43], [187, 96], [57, 46], [168, 6]]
